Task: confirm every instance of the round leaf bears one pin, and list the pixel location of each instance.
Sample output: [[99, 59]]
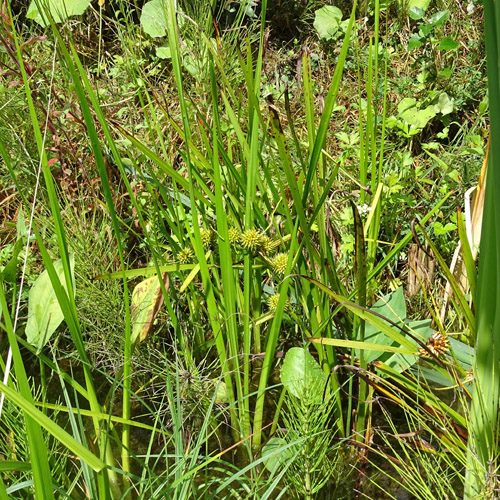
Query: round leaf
[[60, 10], [327, 21], [302, 375], [154, 18]]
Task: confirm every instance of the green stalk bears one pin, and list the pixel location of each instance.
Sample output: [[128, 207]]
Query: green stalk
[[252, 173], [229, 275], [299, 204], [3, 490], [360, 264], [98, 155]]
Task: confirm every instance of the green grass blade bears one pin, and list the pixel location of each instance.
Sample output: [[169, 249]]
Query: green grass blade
[[172, 29], [57, 431], [483, 446], [42, 477], [470, 265], [328, 109]]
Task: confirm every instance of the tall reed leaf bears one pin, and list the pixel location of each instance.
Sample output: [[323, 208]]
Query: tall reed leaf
[[38, 449], [483, 445]]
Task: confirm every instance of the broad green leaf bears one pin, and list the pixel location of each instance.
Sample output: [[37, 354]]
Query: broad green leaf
[[328, 22], [447, 43], [416, 13], [392, 306], [445, 72], [439, 18], [154, 18], [401, 362], [366, 315], [44, 311], [406, 105], [464, 354], [445, 104], [60, 10], [163, 52], [414, 42], [275, 454], [147, 298], [302, 375], [409, 112], [192, 64], [440, 229], [418, 4]]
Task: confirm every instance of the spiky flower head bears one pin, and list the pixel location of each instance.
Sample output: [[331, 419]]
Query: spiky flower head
[[251, 240], [267, 245], [207, 237], [438, 344], [234, 235], [186, 255], [279, 263], [273, 302]]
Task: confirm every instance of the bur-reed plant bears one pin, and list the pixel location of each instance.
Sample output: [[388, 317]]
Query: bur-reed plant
[[240, 316]]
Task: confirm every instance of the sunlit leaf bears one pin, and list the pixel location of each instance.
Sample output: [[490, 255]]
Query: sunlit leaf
[[147, 298], [163, 52], [44, 311], [328, 22], [302, 375], [413, 5], [154, 18], [60, 10]]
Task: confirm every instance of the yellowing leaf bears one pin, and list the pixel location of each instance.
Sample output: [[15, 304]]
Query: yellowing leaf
[[147, 299]]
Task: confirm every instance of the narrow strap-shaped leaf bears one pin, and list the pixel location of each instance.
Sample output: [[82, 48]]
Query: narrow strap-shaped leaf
[[57, 431]]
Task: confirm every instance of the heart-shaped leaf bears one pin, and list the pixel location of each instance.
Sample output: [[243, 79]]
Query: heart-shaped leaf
[[302, 375]]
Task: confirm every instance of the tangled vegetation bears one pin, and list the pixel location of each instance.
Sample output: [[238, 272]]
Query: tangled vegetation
[[239, 250]]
